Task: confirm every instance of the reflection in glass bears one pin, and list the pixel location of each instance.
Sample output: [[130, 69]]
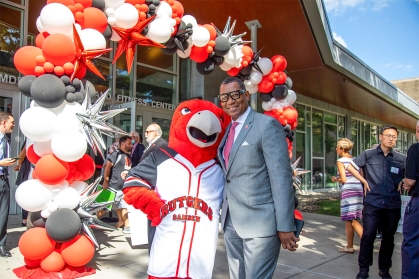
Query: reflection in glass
[[123, 81], [367, 136], [21, 2], [341, 127], [155, 57], [318, 174], [153, 85], [105, 69], [317, 133], [300, 153], [139, 124], [6, 104], [354, 131], [123, 120], [301, 122], [164, 125], [330, 118], [10, 38], [185, 80], [331, 155]]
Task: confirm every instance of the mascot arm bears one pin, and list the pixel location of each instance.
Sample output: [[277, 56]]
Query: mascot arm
[[146, 200]]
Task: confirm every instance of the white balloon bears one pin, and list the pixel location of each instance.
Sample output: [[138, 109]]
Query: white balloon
[[79, 186], [164, 10], [78, 27], [265, 64], [291, 97], [273, 100], [39, 25], [52, 206], [256, 77], [233, 56], [266, 106], [69, 146], [189, 19], [253, 88], [55, 110], [159, 30], [57, 18], [32, 196], [66, 122], [127, 15], [112, 21], [278, 105], [200, 36], [42, 148], [37, 124], [67, 198], [248, 83], [113, 3], [225, 66], [45, 213], [57, 188], [72, 109], [115, 37], [110, 12], [92, 39]]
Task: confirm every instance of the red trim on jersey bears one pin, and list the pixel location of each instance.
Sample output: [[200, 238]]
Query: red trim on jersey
[[196, 211], [132, 178]]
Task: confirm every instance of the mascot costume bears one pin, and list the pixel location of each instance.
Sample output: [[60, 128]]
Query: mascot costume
[[180, 189]]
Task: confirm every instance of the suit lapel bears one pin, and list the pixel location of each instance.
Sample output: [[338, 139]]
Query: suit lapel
[[247, 125], [220, 149]]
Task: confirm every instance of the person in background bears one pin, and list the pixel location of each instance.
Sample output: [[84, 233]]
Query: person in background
[[114, 146], [24, 168], [117, 165], [384, 171], [137, 148], [352, 193], [153, 137], [7, 123], [410, 245]]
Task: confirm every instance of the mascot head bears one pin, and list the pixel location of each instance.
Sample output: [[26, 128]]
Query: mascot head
[[197, 129]]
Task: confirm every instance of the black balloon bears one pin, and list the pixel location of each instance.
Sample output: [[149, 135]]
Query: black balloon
[[265, 97], [48, 91], [156, 2], [287, 128], [182, 26], [79, 97], [222, 46], [288, 83], [76, 82], [25, 83], [185, 44], [70, 89], [218, 60], [63, 225], [70, 98], [169, 51], [100, 4], [280, 92], [170, 44], [65, 79], [107, 33], [35, 220], [246, 70], [205, 67]]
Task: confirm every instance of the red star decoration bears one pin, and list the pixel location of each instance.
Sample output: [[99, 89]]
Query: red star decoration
[[132, 37], [83, 56]]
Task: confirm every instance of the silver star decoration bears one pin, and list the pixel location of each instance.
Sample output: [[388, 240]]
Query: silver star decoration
[[296, 172], [94, 123], [228, 33], [88, 207]]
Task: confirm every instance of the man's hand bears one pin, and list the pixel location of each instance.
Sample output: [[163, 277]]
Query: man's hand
[[105, 184], [7, 162], [288, 240]]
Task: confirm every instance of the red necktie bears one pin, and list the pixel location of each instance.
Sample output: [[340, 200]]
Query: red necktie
[[229, 142]]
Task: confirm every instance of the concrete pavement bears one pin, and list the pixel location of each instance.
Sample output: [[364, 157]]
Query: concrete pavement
[[317, 257]]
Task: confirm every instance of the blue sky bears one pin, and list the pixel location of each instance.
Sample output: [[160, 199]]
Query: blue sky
[[382, 33]]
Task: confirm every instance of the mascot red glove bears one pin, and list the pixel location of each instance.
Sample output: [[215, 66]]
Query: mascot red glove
[[180, 189]]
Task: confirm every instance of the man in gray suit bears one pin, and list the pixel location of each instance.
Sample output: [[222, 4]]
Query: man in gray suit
[[258, 201]]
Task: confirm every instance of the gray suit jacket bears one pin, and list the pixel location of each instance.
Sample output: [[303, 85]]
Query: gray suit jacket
[[258, 191]]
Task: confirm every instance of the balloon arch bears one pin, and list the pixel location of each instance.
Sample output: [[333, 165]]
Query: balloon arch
[[61, 120]]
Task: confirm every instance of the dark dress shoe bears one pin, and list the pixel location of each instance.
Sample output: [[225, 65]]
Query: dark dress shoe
[[4, 253], [362, 274], [384, 274]]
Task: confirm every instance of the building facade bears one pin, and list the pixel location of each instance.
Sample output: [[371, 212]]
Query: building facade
[[324, 75]]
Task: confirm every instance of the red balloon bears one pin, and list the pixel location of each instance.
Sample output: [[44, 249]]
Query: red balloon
[[34, 175], [211, 29], [69, 178], [233, 71], [81, 73], [279, 63], [265, 86], [40, 39], [64, 2], [35, 244], [85, 3], [31, 155], [298, 215], [198, 54], [86, 166], [135, 2], [78, 251], [247, 51], [40, 60], [25, 59], [32, 263], [77, 176], [58, 49], [290, 114], [51, 170], [282, 77], [95, 19], [53, 262], [179, 9]]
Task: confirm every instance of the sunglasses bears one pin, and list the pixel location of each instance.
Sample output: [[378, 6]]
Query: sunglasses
[[233, 94]]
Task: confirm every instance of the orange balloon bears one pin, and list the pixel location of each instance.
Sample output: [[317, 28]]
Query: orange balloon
[[51, 170], [211, 29], [39, 71], [290, 115], [49, 68], [68, 68], [79, 7], [32, 263], [85, 3], [53, 262], [40, 60], [40, 39], [95, 19], [35, 244], [79, 16], [198, 54], [135, 2], [58, 49], [58, 70], [25, 59], [78, 251], [179, 9], [247, 51]]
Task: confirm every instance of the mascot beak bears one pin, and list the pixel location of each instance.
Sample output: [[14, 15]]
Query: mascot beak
[[203, 128]]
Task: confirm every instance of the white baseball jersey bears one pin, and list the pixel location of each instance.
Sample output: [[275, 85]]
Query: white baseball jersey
[[184, 244]]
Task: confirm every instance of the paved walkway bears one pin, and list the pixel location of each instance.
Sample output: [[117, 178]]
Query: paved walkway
[[317, 257]]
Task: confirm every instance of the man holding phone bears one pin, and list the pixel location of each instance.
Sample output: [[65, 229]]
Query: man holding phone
[[7, 123]]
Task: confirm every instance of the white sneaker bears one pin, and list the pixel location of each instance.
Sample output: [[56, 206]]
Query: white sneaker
[[126, 230]]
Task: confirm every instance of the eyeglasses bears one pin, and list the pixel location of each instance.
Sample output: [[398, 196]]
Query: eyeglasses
[[146, 132], [390, 137], [233, 94]]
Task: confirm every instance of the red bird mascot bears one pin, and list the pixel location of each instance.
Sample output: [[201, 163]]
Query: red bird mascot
[[180, 189]]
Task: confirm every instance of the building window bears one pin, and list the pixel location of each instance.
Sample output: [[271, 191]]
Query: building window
[[153, 56], [123, 78], [105, 69], [153, 85]]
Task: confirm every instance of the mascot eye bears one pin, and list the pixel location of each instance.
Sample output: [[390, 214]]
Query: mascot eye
[[185, 111]]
